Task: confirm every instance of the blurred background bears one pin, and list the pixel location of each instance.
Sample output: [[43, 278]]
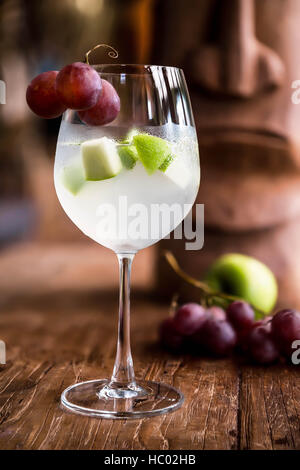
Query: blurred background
[[239, 61]]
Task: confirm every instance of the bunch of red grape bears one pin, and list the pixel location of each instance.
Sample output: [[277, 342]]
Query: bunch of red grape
[[219, 332], [77, 86]]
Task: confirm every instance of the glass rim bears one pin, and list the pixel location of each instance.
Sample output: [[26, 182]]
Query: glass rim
[[146, 69]]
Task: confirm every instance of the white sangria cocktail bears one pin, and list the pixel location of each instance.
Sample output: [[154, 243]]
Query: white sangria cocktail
[[127, 173], [107, 177]]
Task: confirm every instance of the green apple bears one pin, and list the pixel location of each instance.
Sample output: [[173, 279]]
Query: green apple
[[152, 151], [246, 278], [100, 159], [128, 155], [73, 178]]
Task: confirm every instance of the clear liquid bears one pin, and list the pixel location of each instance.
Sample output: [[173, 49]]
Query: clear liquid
[[133, 186]]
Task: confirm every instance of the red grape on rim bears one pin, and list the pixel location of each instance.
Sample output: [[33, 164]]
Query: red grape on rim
[[42, 97], [78, 86], [106, 109]]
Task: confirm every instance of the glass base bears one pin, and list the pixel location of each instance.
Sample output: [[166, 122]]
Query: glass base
[[97, 398]]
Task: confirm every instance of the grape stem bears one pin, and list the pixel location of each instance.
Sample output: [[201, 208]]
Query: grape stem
[[209, 293], [113, 53]]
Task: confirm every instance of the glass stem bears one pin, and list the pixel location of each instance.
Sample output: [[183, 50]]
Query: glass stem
[[123, 373]]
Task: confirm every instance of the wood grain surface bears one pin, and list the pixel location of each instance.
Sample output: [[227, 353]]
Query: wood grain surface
[[58, 336]]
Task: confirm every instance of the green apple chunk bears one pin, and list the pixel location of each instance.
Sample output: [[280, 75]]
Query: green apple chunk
[[128, 155], [152, 151], [100, 159], [166, 163], [245, 277], [73, 178]]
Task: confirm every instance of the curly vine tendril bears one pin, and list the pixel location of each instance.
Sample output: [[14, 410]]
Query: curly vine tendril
[[113, 53]]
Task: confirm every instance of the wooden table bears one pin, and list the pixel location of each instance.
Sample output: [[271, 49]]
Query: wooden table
[[56, 335]]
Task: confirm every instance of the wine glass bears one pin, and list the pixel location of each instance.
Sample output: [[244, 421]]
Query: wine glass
[[156, 119]]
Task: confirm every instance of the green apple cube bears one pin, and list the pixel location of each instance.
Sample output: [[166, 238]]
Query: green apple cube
[[152, 151], [178, 173], [128, 155], [73, 178], [100, 159]]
